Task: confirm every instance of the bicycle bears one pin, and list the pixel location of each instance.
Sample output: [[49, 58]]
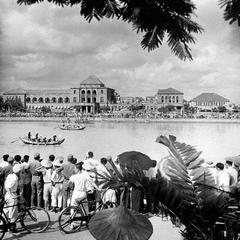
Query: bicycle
[[33, 219], [71, 218]]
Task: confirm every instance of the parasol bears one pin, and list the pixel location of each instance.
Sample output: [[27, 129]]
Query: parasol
[[120, 224], [135, 160], [234, 159]]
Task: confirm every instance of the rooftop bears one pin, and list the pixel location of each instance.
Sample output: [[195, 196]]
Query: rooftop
[[209, 97], [92, 80], [169, 91]]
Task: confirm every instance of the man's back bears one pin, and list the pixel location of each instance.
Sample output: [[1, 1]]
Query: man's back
[[33, 166], [233, 173], [68, 170]]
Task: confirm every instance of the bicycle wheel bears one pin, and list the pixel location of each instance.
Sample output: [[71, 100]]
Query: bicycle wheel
[[71, 219], [3, 228], [35, 219]]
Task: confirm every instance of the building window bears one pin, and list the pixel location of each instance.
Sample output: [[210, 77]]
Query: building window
[[101, 91], [66, 100], [88, 100], [83, 92], [40, 100], [94, 92], [176, 99], [28, 99], [162, 99], [74, 99], [166, 99], [60, 100], [173, 99], [101, 99], [47, 100], [53, 100], [34, 100], [83, 99], [169, 99], [94, 100], [88, 92], [74, 91]]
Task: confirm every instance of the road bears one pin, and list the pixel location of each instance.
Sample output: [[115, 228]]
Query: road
[[161, 230]]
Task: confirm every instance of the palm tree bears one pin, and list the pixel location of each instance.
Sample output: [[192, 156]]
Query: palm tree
[[184, 186], [231, 10], [155, 18]]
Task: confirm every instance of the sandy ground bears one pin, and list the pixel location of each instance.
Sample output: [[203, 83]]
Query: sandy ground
[[161, 230]]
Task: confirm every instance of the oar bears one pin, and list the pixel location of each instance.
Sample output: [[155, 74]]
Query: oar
[[15, 140]]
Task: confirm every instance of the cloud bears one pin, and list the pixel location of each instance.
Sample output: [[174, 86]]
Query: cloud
[[46, 46]]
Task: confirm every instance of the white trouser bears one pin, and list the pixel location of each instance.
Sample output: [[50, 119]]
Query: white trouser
[[77, 196], [57, 195], [10, 208]]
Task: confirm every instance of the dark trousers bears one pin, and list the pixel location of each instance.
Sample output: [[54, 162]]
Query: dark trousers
[[37, 191], [66, 192], [27, 191]]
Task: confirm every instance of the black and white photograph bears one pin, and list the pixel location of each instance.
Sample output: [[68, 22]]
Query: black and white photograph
[[120, 119]]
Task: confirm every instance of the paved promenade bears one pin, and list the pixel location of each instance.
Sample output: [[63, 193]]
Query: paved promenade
[[161, 230]]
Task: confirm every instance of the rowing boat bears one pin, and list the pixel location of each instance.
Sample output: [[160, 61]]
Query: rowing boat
[[72, 127], [32, 142]]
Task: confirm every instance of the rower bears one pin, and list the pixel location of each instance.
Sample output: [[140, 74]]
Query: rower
[[29, 135]]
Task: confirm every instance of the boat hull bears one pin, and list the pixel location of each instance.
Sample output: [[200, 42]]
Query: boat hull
[[69, 127], [29, 142]]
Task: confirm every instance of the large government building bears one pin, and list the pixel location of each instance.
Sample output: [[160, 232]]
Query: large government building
[[89, 97]]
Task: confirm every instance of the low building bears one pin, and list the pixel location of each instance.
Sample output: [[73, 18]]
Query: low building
[[208, 101], [164, 98], [88, 97]]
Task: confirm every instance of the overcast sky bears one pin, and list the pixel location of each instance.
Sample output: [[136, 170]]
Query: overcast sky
[[45, 46]]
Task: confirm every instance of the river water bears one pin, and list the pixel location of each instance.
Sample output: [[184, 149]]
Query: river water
[[216, 140]]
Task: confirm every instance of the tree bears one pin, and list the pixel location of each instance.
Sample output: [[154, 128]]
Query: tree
[[222, 109], [45, 109], [14, 104], [155, 18], [231, 10]]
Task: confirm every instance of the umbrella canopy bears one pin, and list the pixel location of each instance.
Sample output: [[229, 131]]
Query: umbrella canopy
[[135, 160], [120, 224], [235, 160]]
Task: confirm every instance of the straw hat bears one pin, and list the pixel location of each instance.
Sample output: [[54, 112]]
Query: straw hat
[[17, 168], [46, 164]]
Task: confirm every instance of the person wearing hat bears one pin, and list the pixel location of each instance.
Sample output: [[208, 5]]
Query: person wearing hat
[[8, 169], [11, 186], [68, 169], [37, 181], [47, 169], [57, 184]]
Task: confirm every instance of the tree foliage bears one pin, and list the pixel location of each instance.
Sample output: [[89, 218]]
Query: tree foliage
[[154, 18], [231, 10]]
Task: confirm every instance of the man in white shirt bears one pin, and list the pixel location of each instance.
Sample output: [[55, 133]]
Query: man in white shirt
[[11, 186], [82, 183], [4, 163], [232, 171], [222, 177]]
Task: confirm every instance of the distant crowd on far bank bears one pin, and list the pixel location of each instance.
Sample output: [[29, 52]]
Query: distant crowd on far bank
[[118, 116]]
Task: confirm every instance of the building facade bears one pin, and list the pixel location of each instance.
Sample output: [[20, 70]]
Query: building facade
[[89, 97], [164, 98], [208, 101]]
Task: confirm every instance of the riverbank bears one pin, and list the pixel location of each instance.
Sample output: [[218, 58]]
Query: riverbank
[[140, 120]]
